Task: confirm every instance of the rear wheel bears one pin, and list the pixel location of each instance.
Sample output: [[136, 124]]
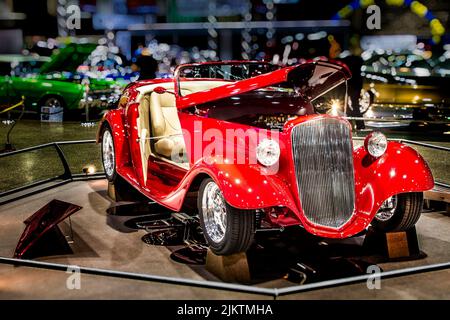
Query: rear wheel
[[108, 154], [400, 212], [227, 230]]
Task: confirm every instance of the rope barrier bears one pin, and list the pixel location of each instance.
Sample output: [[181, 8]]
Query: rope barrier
[[14, 106]]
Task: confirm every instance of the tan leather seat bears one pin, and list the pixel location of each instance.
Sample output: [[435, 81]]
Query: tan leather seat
[[166, 128]]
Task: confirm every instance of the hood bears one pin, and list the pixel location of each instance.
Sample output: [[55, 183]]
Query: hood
[[68, 58]]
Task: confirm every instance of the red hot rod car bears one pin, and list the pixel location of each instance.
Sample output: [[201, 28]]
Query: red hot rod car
[[254, 143]]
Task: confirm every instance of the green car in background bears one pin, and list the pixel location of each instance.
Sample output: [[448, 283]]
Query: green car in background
[[54, 81]]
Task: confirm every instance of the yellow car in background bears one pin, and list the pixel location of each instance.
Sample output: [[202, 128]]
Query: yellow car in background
[[408, 84]]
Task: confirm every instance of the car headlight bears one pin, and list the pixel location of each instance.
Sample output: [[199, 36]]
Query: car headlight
[[268, 152], [376, 144]]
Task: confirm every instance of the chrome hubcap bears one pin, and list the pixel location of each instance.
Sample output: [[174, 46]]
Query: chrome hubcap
[[53, 103], [108, 153], [214, 212], [387, 209]]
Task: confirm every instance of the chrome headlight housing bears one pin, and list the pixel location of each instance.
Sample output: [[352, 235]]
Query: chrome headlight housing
[[376, 144], [268, 152]]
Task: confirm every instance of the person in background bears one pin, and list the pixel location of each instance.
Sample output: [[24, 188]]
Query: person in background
[[146, 65], [354, 62]]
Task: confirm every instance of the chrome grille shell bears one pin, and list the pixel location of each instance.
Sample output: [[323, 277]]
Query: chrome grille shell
[[323, 162]]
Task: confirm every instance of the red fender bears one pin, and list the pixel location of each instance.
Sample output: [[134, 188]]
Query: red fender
[[401, 169], [248, 187]]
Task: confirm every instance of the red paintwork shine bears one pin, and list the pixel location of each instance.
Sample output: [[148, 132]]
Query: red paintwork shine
[[249, 186], [400, 169]]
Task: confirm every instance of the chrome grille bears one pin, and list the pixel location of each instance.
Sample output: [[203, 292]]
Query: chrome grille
[[323, 159]]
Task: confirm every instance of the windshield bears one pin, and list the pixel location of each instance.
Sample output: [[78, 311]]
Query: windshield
[[226, 71], [220, 73]]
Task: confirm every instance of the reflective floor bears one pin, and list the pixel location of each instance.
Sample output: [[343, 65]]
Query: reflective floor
[[148, 239]]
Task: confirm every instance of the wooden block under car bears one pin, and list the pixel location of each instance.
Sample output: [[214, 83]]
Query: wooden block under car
[[393, 246], [120, 190], [112, 191], [232, 268], [397, 245]]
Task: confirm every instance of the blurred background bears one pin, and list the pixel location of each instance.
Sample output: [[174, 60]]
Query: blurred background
[[68, 60], [105, 44]]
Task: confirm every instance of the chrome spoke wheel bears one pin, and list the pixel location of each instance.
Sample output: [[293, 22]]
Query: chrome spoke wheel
[[227, 229], [214, 212], [387, 209], [108, 153]]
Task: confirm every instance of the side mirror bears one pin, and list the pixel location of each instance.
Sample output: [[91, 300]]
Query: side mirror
[[161, 90]]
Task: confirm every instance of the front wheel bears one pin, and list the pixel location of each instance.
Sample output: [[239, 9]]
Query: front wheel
[[399, 213], [227, 230]]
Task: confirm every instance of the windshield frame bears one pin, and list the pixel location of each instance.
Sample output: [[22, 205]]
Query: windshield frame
[[267, 79], [180, 68]]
